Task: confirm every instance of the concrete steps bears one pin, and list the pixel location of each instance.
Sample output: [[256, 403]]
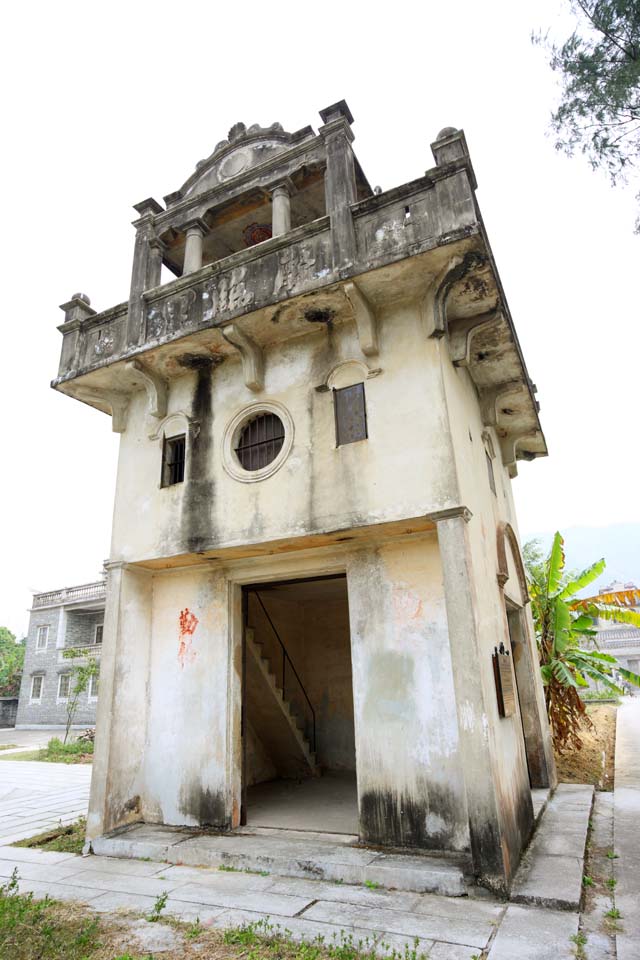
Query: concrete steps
[[289, 856], [272, 717], [551, 870]]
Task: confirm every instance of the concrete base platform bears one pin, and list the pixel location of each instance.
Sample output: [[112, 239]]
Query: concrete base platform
[[550, 874], [303, 856]]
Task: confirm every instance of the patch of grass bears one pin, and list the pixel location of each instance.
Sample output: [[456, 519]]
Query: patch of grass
[[611, 883], [268, 941], [8, 746], [372, 885], [580, 941], [613, 914], [64, 839], [587, 881], [34, 928], [611, 855], [58, 752]]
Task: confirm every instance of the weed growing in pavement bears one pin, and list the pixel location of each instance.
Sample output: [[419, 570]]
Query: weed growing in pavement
[[613, 914], [580, 941], [372, 885], [587, 881], [611, 883], [158, 907], [611, 855]]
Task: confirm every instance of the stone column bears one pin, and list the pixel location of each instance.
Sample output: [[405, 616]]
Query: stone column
[[154, 272], [281, 210], [195, 230], [140, 270], [340, 181], [493, 860]]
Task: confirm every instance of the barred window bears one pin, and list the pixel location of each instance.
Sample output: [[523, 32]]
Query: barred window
[[36, 687], [260, 441], [93, 687], [173, 455], [99, 631]]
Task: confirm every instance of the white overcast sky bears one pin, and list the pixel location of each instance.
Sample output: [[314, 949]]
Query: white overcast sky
[[107, 104]]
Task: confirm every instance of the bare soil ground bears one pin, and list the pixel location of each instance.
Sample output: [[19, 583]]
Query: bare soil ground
[[594, 762]]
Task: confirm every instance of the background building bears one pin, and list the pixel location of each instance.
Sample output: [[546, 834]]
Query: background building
[[71, 618], [621, 640]]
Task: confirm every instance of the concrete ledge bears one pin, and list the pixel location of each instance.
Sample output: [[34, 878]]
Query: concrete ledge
[[302, 857], [550, 874]]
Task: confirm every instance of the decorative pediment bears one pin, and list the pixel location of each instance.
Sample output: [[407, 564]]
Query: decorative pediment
[[243, 149]]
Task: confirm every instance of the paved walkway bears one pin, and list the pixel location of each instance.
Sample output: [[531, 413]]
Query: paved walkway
[[35, 797], [28, 739], [626, 828]]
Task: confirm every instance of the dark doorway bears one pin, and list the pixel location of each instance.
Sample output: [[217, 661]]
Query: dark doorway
[[299, 763], [525, 685]]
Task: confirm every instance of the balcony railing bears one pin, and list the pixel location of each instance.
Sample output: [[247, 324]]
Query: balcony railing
[[87, 591]]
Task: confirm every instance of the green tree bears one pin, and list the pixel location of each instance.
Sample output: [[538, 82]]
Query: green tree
[[567, 644], [80, 678], [599, 67], [11, 663]]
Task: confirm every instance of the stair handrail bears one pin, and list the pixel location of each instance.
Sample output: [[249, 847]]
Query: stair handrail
[[286, 656]]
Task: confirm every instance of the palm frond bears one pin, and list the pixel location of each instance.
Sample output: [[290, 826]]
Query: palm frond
[[583, 579]]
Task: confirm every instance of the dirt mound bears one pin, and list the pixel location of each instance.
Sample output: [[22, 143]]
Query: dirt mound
[[594, 762]]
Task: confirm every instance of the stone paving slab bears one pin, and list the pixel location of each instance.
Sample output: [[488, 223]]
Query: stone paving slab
[[551, 870], [429, 927], [531, 933]]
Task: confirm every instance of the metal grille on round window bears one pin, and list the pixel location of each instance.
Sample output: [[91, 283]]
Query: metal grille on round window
[[260, 441]]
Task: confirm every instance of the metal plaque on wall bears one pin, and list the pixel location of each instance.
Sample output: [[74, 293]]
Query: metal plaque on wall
[[505, 687]]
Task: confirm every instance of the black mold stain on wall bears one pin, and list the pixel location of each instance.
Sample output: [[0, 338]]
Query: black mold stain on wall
[[196, 527], [205, 806], [396, 819]]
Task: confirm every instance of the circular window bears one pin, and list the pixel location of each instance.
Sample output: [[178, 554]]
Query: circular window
[[257, 441], [260, 441]]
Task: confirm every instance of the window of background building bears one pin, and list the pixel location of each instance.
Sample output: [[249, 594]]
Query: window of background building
[[64, 684], [37, 684], [173, 455], [351, 414], [42, 638], [93, 687], [98, 634]]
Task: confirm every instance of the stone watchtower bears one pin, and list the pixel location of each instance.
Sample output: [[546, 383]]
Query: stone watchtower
[[314, 572]]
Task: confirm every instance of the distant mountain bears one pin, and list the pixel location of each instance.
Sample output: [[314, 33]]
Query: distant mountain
[[619, 544]]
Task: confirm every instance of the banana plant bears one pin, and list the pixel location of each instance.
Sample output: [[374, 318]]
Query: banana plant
[[565, 630]]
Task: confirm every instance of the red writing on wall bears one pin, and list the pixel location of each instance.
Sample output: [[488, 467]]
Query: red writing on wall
[[187, 622]]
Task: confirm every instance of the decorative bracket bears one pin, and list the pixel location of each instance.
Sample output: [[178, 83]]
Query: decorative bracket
[[117, 401], [251, 353], [463, 331], [365, 318], [155, 385], [433, 305], [508, 448], [489, 400]]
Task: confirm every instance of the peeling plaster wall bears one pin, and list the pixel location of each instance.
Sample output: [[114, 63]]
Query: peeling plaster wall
[[505, 734], [319, 487], [410, 785]]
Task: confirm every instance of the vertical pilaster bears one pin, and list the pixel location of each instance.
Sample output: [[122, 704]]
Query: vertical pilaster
[[77, 309], [117, 783], [493, 862], [140, 269], [340, 181], [156, 252]]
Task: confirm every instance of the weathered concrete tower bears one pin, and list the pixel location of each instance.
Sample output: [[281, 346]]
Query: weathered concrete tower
[[314, 566]]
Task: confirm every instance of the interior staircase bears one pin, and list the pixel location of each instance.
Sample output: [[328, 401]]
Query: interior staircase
[[279, 728]]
